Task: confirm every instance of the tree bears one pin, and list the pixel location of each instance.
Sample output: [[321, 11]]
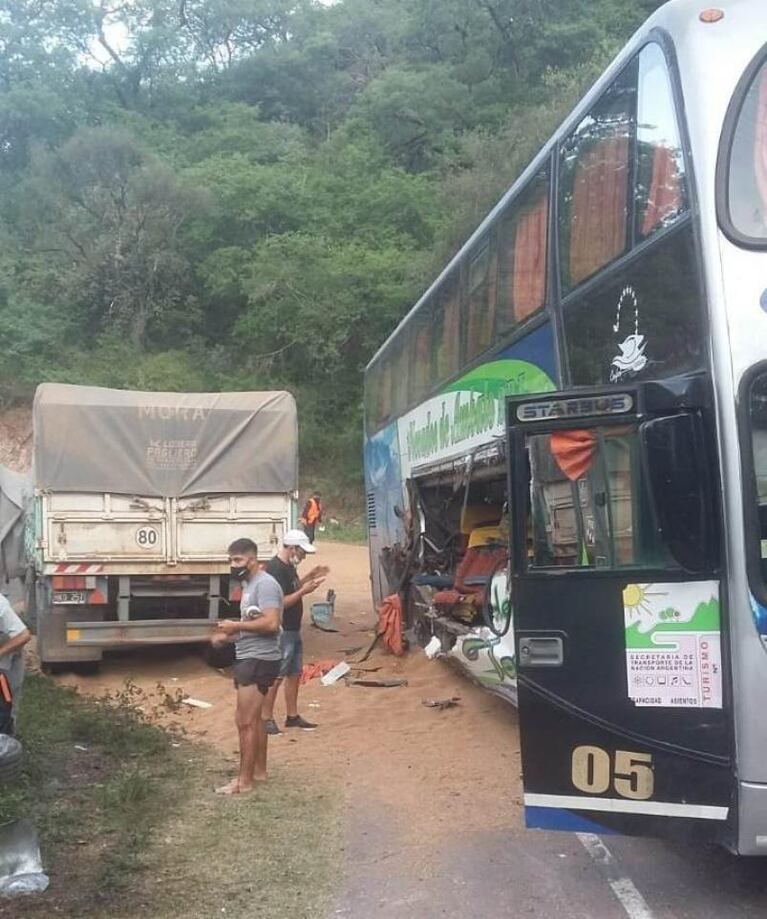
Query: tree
[[111, 214]]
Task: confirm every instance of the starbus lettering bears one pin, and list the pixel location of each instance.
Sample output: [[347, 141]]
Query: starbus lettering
[[172, 412], [575, 408]]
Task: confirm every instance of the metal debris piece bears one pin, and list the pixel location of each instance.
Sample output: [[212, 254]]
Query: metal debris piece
[[196, 703], [382, 683], [441, 704], [332, 676]]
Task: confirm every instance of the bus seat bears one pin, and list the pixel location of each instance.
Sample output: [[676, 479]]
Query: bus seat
[[484, 535], [483, 556]]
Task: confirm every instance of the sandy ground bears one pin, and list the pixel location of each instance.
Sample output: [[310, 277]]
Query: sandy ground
[[432, 772]]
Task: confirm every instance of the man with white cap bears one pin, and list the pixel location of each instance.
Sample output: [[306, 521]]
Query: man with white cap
[[295, 547]]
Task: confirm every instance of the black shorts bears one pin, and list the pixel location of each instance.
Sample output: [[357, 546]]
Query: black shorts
[[253, 670]]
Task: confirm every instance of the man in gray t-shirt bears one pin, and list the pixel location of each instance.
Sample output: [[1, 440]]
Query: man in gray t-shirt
[[13, 636], [258, 658]]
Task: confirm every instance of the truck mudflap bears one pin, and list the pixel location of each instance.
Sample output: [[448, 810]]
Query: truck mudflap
[[91, 634]]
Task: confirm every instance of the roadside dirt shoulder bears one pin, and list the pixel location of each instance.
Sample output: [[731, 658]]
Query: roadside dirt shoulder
[[432, 772]]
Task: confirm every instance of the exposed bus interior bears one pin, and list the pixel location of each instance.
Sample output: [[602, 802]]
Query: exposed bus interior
[[461, 527]]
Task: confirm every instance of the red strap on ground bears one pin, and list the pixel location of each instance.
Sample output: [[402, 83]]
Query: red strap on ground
[[390, 624], [317, 669]]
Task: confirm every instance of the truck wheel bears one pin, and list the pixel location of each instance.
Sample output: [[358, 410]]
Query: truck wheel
[[219, 658], [49, 668], [87, 668]]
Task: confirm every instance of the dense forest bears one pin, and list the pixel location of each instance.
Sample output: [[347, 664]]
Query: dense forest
[[248, 194]]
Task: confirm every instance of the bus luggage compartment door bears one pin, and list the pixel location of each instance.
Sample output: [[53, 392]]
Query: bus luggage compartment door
[[621, 711]]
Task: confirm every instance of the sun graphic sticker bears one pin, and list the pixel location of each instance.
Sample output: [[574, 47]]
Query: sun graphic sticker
[[673, 645]]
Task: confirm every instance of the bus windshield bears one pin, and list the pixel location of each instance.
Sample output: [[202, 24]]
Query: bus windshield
[[747, 178]]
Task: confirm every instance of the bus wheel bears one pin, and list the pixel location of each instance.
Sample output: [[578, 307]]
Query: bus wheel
[[496, 607]]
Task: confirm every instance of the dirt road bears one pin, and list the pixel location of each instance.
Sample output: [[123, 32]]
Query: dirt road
[[431, 808], [383, 745]]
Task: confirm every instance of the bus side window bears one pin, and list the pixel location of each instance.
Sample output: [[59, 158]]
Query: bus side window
[[385, 390], [402, 366], [594, 184], [372, 398], [661, 190], [447, 330], [523, 239], [590, 507], [421, 375], [480, 302]]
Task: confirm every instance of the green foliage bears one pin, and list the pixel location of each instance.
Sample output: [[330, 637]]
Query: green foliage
[[251, 193]]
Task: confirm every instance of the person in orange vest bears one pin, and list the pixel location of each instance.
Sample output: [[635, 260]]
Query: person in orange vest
[[311, 516]]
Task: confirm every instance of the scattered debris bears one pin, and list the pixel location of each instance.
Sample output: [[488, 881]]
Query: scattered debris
[[352, 650], [315, 669], [196, 703], [384, 684], [21, 868], [332, 676], [80, 748], [314, 705], [441, 704], [322, 612], [433, 648], [369, 651], [323, 628]]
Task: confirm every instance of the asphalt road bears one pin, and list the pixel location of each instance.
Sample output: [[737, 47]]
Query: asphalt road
[[543, 874]]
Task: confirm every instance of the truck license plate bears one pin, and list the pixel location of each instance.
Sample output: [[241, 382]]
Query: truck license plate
[[70, 597]]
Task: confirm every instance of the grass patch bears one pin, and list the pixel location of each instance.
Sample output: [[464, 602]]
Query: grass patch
[[129, 825], [351, 532]]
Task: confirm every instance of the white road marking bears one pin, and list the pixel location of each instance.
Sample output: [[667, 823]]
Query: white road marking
[[632, 901]]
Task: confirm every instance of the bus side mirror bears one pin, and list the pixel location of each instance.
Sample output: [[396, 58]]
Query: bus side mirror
[[681, 489]]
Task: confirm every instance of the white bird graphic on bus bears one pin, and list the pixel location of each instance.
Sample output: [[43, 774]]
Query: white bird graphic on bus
[[631, 358]]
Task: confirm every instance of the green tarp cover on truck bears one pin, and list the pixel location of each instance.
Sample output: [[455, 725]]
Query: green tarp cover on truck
[[169, 445]]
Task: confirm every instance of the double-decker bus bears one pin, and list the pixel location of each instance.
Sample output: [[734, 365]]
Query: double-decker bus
[[566, 444]]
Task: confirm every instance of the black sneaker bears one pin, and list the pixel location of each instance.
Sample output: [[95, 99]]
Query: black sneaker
[[298, 722], [271, 727]]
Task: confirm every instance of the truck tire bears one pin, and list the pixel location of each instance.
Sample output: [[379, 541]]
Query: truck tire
[[10, 756], [86, 668], [219, 658], [52, 669]]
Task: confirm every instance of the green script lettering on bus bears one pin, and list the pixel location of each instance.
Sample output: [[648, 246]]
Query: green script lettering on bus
[[473, 417]]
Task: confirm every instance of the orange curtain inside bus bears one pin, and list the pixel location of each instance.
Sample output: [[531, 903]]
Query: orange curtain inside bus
[[574, 452], [598, 222], [665, 198], [760, 141], [529, 285]]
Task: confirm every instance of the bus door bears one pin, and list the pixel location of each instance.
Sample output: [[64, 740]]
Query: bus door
[[616, 591]]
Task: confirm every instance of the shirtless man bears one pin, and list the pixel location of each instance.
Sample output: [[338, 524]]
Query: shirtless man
[[258, 657]]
